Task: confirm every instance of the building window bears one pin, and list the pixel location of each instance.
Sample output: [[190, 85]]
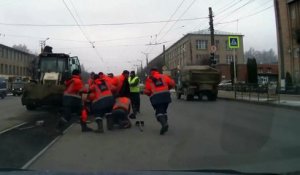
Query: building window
[[14, 70], [269, 70], [1, 71], [260, 70], [5, 69], [6, 53], [217, 43], [226, 45], [296, 52], [201, 44], [10, 54], [9, 70], [229, 59], [217, 59], [293, 13]]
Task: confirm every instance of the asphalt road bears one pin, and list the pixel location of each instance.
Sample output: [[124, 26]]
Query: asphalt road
[[20, 144], [203, 135], [12, 112]]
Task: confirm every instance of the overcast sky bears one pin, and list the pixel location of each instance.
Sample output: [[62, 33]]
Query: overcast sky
[[118, 46]]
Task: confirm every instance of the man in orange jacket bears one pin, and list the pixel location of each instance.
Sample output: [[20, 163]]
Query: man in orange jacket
[[157, 86], [91, 79], [71, 98], [103, 101], [120, 112], [122, 85]]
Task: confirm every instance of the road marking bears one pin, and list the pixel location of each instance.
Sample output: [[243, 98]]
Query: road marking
[[31, 161], [13, 127]]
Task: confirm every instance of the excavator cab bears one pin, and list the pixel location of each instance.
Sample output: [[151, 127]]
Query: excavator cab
[[53, 70]]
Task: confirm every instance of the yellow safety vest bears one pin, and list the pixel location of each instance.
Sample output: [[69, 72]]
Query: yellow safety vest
[[134, 88]]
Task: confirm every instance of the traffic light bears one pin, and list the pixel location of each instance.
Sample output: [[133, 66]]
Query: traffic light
[[212, 60]]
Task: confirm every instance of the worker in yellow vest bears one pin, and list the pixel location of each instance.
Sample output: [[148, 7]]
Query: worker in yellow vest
[[134, 83]]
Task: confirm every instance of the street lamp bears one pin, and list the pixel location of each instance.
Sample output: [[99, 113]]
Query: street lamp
[[43, 44]]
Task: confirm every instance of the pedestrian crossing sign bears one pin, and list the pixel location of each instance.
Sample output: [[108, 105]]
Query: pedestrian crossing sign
[[234, 42]]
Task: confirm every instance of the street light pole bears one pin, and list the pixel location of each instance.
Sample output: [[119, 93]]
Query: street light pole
[[43, 44], [147, 63]]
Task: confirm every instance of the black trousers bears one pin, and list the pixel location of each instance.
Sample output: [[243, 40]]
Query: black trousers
[[160, 108], [119, 115], [71, 105], [135, 101]]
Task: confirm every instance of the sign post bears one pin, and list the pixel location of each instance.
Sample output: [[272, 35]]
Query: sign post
[[234, 43]]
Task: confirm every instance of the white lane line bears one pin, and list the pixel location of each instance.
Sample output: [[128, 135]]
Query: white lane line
[[31, 161], [13, 127]]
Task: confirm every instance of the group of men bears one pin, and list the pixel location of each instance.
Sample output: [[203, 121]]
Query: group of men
[[116, 98]]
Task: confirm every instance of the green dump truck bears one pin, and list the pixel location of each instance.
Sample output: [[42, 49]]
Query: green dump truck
[[201, 81], [47, 89]]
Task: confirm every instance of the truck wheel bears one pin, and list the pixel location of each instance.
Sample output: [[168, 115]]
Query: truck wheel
[[2, 96], [212, 97], [189, 97], [178, 95], [30, 107]]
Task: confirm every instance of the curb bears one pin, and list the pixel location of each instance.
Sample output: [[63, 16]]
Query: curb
[[262, 103]]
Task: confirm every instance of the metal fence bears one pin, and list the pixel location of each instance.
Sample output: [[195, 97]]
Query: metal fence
[[254, 92]]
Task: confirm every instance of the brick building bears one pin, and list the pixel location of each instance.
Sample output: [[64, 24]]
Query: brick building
[[194, 49], [14, 63], [288, 34], [266, 73]]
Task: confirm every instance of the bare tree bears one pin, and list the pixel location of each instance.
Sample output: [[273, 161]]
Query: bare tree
[[32, 68], [84, 74], [262, 57], [21, 47]]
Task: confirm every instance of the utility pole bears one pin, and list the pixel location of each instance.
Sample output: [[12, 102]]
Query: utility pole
[[212, 37], [147, 63]]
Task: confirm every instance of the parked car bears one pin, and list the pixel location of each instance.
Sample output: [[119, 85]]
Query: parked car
[[225, 85], [17, 88], [3, 88]]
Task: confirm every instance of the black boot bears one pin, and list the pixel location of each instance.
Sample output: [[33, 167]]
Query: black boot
[[109, 122], [164, 124], [61, 125], [84, 127], [100, 126]]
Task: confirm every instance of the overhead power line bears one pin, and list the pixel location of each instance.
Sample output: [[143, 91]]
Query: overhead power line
[[247, 16], [228, 5], [77, 23], [237, 9], [186, 10], [82, 31], [178, 7], [99, 24]]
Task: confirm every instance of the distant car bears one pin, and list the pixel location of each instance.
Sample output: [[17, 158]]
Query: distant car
[[225, 85], [142, 87], [17, 88]]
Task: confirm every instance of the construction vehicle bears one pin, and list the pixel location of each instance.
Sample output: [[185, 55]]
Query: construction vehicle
[[201, 81], [48, 86]]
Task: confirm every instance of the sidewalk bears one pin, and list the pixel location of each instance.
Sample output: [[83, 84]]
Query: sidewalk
[[283, 100]]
